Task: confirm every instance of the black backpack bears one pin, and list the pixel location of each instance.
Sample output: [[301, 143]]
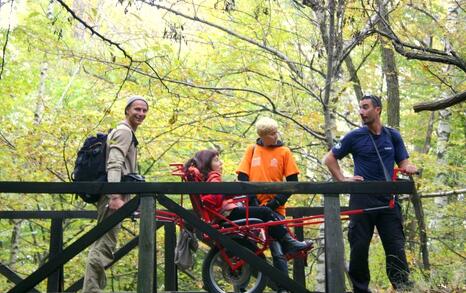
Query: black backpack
[[90, 164]]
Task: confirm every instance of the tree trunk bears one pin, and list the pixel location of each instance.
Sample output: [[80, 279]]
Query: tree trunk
[[40, 103], [443, 135], [419, 212], [79, 7], [320, 276], [430, 130], [329, 121], [15, 236], [354, 78], [390, 72]]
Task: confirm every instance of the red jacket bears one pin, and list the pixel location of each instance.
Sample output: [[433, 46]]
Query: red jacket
[[214, 201]]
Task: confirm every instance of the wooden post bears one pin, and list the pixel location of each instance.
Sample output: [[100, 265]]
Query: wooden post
[[171, 280], [157, 224], [55, 282], [154, 286], [146, 245], [334, 249], [298, 264]]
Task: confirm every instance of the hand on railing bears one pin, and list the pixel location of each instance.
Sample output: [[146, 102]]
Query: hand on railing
[[405, 171], [115, 202]]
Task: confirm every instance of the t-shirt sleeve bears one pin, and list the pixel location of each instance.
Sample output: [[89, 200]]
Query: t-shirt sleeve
[[343, 147], [400, 149], [290, 164], [245, 164]]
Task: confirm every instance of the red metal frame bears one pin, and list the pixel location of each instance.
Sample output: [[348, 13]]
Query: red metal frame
[[255, 232]]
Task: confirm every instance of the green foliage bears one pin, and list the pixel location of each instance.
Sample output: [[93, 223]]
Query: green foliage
[[206, 87]]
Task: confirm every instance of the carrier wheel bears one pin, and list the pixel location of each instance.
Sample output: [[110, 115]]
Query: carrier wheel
[[219, 278]]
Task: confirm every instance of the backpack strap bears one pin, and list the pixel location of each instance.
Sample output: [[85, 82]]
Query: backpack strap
[[385, 171], [389, 133], [134, 139], [253, 150]]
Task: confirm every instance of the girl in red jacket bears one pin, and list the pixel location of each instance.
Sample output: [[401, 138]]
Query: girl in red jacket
[[206, 166]]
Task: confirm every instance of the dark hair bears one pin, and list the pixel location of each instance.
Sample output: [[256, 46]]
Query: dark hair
[[202, 160], [376, 101]]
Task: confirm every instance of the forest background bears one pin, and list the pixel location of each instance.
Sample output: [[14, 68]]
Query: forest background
[[209, 69]]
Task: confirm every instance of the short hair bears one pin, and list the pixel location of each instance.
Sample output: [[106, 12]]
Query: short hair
[[266, 125], [376, 101]]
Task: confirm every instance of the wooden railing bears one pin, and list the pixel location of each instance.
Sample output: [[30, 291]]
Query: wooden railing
[[148, 193]]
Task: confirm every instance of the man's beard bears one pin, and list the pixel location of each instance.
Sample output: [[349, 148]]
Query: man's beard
[[367, 121]]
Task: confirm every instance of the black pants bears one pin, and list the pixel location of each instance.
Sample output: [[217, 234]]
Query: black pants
[[278, 231], [390, 228], [263, 213]]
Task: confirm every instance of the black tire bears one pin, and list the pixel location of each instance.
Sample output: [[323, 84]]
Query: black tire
[[218, 278]]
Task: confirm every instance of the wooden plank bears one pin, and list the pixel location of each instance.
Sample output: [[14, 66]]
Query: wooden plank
[[298, 264], [119, 254], [365, 187], [12, 276], [76, 247], [334, 249], [55, 282], [171, 280], [48, 214], [146, 245]]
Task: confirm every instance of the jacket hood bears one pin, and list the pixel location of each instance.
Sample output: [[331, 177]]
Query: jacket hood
[[261, 143]]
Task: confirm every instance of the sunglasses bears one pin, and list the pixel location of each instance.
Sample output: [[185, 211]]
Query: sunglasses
[[375, 100]]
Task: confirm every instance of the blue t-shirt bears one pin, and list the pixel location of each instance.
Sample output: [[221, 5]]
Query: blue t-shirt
[[366, 162]]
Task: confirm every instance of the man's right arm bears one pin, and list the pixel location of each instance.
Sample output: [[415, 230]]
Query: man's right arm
[[118, 148], [332, 164]]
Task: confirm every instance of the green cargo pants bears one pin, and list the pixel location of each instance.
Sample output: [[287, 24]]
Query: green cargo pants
[[101, 252]]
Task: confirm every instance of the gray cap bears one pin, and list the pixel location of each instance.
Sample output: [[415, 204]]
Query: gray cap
[[133, 98]]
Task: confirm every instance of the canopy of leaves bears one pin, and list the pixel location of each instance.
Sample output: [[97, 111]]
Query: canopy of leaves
[[209, 69]]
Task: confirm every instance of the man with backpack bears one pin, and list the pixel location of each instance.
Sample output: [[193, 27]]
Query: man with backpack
[[121, 154], [375, 149]]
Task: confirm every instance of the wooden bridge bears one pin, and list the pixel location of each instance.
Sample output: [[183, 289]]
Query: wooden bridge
[[152, 194]]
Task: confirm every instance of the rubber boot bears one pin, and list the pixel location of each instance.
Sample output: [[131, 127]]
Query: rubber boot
[[291, 245], [280, 262]]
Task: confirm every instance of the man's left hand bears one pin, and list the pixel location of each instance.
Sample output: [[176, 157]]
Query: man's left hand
[[273, 204], [410, 169], [115, 202]]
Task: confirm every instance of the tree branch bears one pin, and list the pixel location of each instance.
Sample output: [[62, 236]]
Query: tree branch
[[449, 247], [440, 104], [221, 89], [440, 79], [272, 50], [436, 194], [443, 193], [6, 42], [368, 30], [93, 31], [7, 142], [4, 51], [5, 2], [422, 53]]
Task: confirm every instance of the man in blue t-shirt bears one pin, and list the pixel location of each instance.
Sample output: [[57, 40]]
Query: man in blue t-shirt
[[371, 145]]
